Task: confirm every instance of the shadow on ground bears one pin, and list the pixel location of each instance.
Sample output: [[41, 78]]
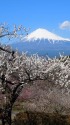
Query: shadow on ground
[[36, 118]]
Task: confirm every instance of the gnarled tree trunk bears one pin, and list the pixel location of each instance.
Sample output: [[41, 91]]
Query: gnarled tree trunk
[[6, 115]]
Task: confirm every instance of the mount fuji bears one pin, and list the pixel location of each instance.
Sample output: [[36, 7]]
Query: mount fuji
[[43, 42]]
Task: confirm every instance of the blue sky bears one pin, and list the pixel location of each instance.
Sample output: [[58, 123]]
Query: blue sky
[[53, 15]]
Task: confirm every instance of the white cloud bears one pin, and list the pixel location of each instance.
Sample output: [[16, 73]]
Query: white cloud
[[65, 25]]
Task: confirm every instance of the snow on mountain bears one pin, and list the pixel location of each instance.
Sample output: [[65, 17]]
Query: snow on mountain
[[43, 34]]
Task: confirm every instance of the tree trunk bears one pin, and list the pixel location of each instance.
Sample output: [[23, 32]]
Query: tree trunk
[[9, 120], [3, 118], [6, 117], [3, 121]]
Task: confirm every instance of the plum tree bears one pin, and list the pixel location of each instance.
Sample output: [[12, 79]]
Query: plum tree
[[18, 70]]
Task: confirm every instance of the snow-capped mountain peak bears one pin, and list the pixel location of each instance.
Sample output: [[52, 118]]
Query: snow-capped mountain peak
[[43, 34], [43, 42]]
